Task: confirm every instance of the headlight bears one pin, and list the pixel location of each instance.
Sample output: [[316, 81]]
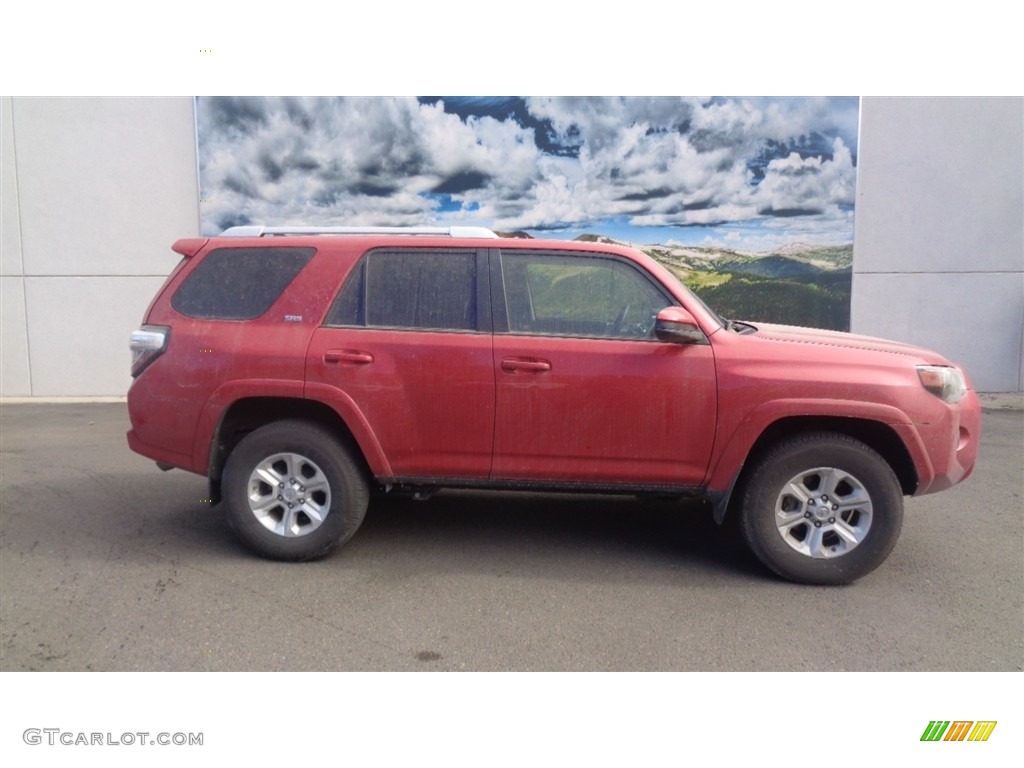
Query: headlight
[[943, 381]]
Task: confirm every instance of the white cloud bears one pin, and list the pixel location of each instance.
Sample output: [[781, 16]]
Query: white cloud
[[652, 161], [813, 182]]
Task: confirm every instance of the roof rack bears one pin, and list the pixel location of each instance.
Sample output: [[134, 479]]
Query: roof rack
[[261, 231]]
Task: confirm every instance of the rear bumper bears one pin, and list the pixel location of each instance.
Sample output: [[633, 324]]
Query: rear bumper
[[159, 455]]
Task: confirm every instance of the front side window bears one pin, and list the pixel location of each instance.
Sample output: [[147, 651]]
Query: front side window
[[579, 295], [424, 289], [239, 283]]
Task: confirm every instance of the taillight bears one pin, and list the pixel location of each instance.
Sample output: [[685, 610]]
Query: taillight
[[147, 344]]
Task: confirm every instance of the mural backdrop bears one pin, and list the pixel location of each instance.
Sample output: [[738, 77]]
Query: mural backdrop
[[748, 200]]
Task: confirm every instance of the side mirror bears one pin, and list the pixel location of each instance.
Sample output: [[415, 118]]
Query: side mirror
[[677, 326]]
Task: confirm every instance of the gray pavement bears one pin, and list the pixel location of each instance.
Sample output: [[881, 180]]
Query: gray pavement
[[106, 563]]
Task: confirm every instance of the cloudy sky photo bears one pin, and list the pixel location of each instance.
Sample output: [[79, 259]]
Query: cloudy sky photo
[[745, 173]]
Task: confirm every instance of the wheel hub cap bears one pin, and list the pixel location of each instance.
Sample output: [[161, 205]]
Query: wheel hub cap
[[823, 512], [289, 494]]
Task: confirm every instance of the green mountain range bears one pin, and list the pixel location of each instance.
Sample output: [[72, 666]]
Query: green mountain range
[[797, 284], [794, 285]]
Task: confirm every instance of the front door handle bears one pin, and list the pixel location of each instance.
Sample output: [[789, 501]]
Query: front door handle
[[347, 356], [525, 365]]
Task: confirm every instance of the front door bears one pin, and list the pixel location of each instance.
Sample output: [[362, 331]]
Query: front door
[[585, 393]]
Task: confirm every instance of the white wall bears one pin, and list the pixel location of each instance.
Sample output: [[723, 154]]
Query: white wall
[[938, 255], [94, 191]]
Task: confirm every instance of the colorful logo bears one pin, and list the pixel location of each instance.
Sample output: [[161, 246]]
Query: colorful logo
[[958, 730]]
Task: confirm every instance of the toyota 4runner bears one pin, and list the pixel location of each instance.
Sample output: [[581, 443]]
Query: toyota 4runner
[[300, 369]]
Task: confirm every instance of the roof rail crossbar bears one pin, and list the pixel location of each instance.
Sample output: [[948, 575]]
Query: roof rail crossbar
[[261, 231]]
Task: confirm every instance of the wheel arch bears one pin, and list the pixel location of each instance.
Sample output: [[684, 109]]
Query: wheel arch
[[249, 413], [880, 437]]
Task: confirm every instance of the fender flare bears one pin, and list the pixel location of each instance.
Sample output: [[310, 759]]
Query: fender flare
[[228, 394], [728, 463]]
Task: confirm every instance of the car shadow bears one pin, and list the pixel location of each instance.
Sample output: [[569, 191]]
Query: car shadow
[[553, 528]]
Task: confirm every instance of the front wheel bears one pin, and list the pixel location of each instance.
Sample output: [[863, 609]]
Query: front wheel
[[821, 509], [292, 491]]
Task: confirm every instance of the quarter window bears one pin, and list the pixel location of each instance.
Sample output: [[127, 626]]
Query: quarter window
[[239, 283]]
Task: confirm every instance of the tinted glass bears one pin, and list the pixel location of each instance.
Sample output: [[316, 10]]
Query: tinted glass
[[239, 283], [410, 289]]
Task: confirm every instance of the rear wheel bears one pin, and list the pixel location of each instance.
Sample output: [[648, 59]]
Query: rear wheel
[[821, 509], [292, 491]]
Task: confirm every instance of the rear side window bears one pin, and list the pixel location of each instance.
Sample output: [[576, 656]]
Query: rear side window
[[239, 283], [423, 289]]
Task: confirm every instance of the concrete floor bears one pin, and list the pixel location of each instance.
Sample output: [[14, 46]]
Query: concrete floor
[[109, 564]]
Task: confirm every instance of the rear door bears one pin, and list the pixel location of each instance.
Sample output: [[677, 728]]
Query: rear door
[[585, 393], [408, 342]]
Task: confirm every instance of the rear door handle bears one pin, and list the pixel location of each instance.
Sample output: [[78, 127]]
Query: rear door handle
[[525, 365], [347, 356]]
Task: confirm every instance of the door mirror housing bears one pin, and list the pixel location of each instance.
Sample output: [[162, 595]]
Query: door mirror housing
[[677, 326]]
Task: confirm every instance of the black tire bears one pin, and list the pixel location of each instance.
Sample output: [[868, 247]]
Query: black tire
[[821, 509], [318, 476]]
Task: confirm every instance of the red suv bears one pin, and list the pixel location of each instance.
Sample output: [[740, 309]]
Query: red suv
[[299, 369]]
